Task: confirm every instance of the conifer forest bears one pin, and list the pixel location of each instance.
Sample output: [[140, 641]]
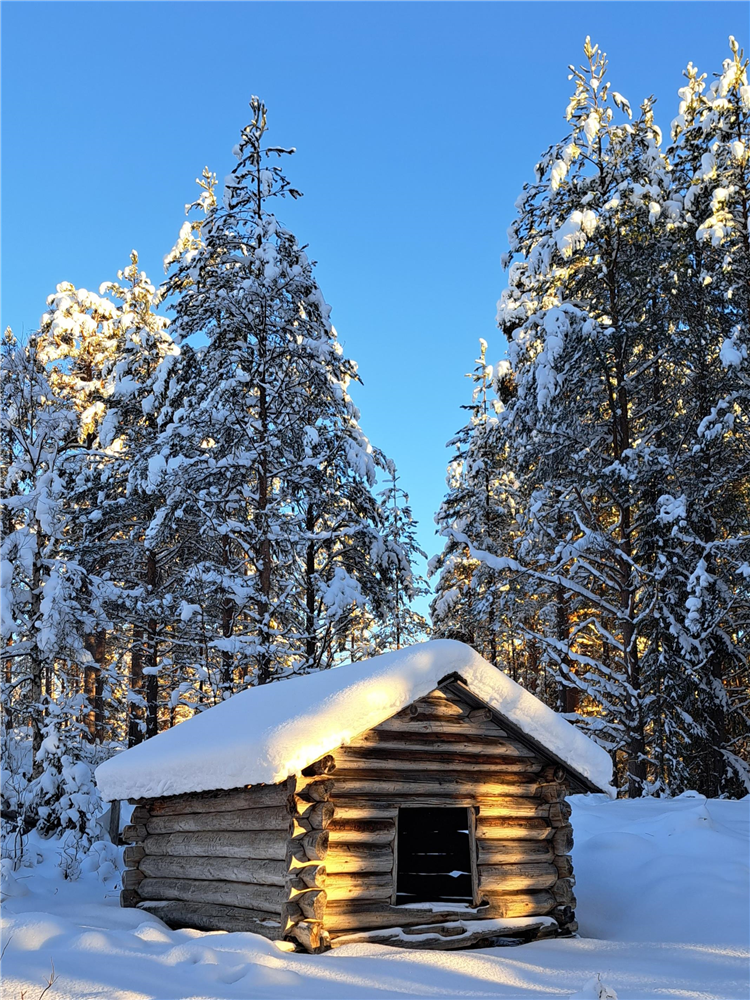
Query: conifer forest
[[191, 504]]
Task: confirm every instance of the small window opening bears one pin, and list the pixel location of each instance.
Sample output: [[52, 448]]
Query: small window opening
[[433, 859]]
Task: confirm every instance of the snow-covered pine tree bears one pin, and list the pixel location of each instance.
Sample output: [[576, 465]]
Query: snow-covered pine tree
[[76, 343], [50, 604], [466, 587], [126, 498], [588, 425], [403, 625], [709, 509], [262, 460]]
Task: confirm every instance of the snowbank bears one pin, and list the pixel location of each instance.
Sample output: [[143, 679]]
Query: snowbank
[[650, 929], [264, 734]]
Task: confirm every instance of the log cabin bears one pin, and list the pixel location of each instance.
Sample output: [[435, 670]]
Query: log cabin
[[416, 799]]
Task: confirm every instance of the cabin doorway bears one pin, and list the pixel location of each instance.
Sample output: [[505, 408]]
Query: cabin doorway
[[433, 856]]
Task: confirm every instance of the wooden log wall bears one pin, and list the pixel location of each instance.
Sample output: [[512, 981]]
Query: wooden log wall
[[214, 861], [446, 750], [245, 859]]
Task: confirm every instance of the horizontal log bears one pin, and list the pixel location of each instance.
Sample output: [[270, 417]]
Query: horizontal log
[[311, 935], [563, 915], [554, 772], [314, 787], [559, 813], [265, 818], [513, 828], [133, 834], [456, 741], [132, 855], [502, 807], [261, 844], [361, 832], [132, 878], [358, 858], [505, 852], [129, 897], [516, 878], [312, 846], [436, 707], [377, 758], [368, 886], [562, 840], [369, 810], [439, 727], [351, 914], [214, 917], [552, 791], [296, 885], [252, 797], [520, 904], [447, 936], [562, 890], [480, 713], [313, 876], [268, 898], [408, 784], [564, 865], [322, 766], [312, 903], [257, 871], [320, 816], [140, 816]]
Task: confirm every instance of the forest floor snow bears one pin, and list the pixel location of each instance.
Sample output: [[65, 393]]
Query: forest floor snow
[[663, 907]]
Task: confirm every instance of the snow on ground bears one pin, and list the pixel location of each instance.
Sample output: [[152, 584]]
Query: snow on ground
[[663, 906]]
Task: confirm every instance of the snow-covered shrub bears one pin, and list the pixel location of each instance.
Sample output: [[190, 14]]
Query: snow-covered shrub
[[63, 799]]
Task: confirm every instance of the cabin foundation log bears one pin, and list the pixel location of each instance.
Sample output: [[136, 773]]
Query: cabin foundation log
[[256, 871], [214, 917], [449, 935], [268, 898]]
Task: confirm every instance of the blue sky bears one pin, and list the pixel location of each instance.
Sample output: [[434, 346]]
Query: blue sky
[[416, 125]]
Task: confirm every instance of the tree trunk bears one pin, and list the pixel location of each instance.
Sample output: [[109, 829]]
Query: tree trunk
[[227, 627], [152, 656], [135, 711], [310, 635]]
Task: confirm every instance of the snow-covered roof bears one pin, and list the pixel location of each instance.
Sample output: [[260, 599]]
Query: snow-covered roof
[[264, 734]]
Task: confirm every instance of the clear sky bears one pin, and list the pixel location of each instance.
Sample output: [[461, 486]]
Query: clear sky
[[416, 125]]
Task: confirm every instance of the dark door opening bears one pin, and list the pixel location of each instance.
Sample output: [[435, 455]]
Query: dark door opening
[[433, 856]]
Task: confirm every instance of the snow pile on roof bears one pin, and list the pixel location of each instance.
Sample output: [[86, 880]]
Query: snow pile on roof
[[264, 734]]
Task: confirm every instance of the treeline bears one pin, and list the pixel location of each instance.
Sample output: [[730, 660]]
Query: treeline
[[189, 506], [597, 520]]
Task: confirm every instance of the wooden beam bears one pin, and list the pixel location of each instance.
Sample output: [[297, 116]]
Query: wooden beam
[[505, 852], [254, 897], [132, 855], [258, 871], [343, 858], [360, 784], [265, 818], [252, 797], [516, 878], [360, 886], [214, 917], [261, 844]]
